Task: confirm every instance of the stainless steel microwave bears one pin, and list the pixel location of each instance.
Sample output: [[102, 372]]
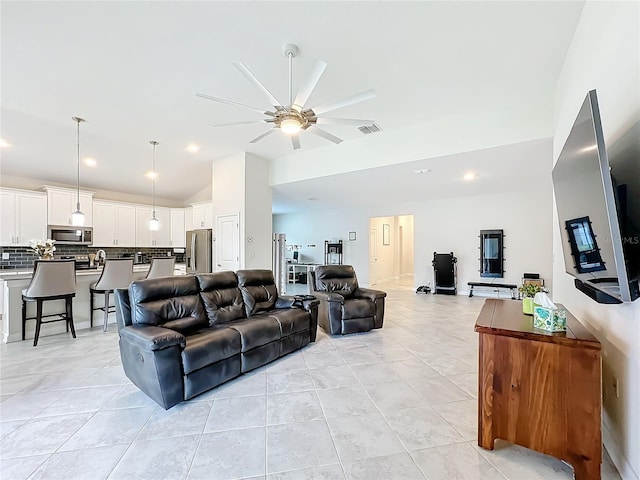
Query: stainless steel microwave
[[71, 235]]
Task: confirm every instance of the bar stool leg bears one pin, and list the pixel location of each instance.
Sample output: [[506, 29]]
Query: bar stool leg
[[69, 322], [90, 308], [38, 321], [24, 316], [106, 310]]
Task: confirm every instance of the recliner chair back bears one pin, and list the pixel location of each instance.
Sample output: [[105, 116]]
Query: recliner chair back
[[259, 290], [336, 278]]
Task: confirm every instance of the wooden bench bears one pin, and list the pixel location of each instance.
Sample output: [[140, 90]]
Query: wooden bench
[[496, 286]]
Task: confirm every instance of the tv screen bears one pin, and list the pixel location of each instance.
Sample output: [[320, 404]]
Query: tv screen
[[591, 210]]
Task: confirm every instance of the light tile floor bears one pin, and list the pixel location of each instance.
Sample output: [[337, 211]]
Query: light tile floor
[[395, 403]]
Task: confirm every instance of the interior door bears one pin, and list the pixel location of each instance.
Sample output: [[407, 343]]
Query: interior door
[[228, 242]]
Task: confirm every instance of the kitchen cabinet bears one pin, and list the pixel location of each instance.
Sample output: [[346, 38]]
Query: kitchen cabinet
[[202, 215], [23, 216], [188, 220], [114, 224], [177, 227], [61, 202], [147, 238]]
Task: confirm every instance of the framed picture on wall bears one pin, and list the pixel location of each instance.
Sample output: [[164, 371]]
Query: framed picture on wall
[[386, 234], [352, 236]]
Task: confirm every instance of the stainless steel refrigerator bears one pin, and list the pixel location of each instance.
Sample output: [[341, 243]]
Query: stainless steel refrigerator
[[199, 251]]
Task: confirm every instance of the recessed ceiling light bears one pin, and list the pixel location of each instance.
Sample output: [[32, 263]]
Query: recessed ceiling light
[[151, 174], [4, 143], [90, 162], [422, 170], [192, 147], [469, 176]]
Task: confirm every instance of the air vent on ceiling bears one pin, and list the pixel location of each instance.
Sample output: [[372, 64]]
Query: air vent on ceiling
[[367, 129]]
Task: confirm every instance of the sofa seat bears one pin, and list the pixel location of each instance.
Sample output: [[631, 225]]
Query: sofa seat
[[255, 331], [208, 346], [358, 308], [291, 321]]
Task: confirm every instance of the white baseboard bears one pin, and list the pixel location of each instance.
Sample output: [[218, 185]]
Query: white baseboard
[[617, 456]]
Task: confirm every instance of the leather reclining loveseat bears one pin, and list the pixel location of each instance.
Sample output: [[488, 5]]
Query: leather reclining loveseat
[[181, 336]]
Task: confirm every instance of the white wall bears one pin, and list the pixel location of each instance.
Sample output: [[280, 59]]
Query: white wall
[[605, 55], [405, 260], [442, 226]]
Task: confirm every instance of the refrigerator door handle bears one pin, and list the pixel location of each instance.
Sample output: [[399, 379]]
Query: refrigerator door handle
[[193, 253]]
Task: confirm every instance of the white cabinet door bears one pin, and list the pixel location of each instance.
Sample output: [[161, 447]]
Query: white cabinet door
[[177, 227], [143, 234], [7, 218], [126, 226], [104, 228], [162, 237], [188, 220], [62, 202], [31, 217], [202, 215]]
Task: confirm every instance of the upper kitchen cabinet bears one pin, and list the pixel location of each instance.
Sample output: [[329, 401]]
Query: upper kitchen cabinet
[[202, 215], [61, 202], [114, 224], [23, 216], [178, 236], [158, 238]]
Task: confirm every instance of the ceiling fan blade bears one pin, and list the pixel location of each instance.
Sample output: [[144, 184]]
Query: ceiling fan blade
[[253, 79], [295, 140], [230, 102], [345, 102], [260, 137], [344, 121], [237, 123], [308, 87], [324, 134]]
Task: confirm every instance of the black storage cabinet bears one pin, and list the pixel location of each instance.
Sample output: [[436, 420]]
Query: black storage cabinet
[[445, 273]]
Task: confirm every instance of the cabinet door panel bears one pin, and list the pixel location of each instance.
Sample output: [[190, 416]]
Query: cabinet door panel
[[31, 217], [162, 237], [177, 227], [126, 226], [143, 234], [60, 205], [7, 218], [104, 228]]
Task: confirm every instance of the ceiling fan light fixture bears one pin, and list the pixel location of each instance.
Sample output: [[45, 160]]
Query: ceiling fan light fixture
[[290, 126]]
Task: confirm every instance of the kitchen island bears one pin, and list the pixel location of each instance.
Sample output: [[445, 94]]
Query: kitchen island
[[12, 282]]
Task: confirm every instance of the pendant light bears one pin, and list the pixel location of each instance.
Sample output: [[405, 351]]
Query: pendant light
[[77, 217], [154, 223]]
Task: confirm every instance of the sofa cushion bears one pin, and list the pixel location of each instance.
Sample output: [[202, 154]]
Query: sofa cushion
[[256, 331], [209, 345], [291, 320], [170, 302], [357, 308], [336, 278], [221, 297], [259, 291]]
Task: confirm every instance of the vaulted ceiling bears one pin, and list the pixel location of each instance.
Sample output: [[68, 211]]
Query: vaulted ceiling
[[132, 69]]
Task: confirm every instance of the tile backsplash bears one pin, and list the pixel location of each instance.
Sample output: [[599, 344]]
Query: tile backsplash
[[23, 257]]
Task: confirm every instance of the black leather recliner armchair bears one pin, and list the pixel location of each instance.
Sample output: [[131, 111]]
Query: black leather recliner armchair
[[344, 306]]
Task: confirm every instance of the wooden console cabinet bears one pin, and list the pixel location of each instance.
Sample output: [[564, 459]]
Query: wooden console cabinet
[[538, 389]]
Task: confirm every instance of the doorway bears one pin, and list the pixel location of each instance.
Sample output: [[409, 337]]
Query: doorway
[[391, 247], [228, 242]]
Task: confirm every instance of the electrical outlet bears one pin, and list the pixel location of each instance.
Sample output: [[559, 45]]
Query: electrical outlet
[[616, 387], [5, 255]]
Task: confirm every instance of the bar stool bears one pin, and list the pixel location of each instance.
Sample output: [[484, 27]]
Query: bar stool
[[52, 280], [161, 267], [117, 273]]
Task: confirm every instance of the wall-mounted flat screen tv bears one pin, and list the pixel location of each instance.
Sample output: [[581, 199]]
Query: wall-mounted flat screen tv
[[597, 198]]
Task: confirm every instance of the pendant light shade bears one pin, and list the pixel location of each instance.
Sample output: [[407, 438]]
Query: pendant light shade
[[77, 217], [154, 223]]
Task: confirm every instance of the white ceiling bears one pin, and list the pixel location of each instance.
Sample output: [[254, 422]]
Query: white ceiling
[[132, 69]]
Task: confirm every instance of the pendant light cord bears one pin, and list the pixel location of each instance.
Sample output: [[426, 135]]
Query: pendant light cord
[[154, 143]]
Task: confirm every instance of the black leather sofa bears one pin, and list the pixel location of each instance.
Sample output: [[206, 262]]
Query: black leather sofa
[[344, 306], [181, 336]]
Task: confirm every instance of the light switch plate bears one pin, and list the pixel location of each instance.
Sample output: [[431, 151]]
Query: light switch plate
[[5, 255]]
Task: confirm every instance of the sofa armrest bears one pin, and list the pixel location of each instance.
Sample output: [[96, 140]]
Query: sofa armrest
[[285, 301], [369, 293], [152, 338], [329, 296]]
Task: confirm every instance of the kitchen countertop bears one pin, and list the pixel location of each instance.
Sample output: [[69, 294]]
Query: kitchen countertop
[[22, 273]]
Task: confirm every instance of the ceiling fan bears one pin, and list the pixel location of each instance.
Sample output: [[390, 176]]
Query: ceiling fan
[[293, 118]]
